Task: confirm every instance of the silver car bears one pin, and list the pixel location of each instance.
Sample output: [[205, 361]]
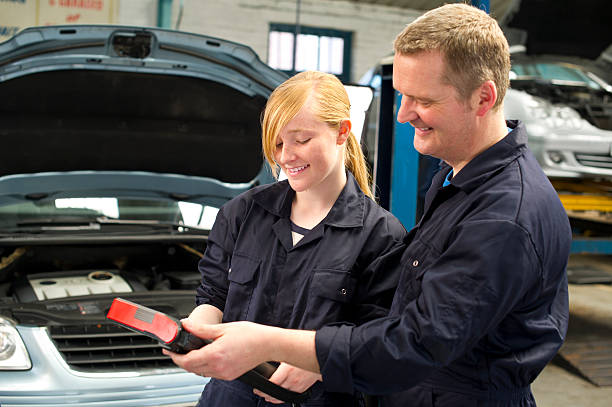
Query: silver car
[[567, 110], [119, 144]]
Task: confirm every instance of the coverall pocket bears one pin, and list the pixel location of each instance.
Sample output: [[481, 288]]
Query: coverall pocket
[[241, 277], [335, 285]]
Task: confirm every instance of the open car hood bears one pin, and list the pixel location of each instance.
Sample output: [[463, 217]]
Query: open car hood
[[578, 28], [111, 98]]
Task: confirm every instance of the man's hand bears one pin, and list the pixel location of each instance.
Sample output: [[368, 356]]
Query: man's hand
[[292, 378], [237, 348], [240, 346]]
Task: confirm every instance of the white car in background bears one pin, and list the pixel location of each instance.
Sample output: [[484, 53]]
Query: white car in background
[[567, 110]]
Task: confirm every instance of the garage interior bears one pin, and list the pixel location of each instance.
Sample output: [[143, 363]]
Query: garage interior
[[579, 32]]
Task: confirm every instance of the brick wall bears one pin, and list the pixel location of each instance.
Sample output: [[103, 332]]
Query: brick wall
[[247, 22]]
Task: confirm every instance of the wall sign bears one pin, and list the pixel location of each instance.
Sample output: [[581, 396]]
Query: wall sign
[[18, 14]]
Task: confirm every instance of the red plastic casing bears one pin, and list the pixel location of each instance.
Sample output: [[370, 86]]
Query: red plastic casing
[[125, 313]]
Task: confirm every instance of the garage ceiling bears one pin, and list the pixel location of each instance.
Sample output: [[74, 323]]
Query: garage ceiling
[[499, 8], [569, 27]]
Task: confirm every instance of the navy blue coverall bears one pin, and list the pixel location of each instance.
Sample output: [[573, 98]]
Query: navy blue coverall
[[339, 271], [482, 302]]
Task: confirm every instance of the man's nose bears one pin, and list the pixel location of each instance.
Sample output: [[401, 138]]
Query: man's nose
[[406, 112]]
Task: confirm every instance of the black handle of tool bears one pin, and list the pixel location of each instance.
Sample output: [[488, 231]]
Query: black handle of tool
[[187, 341], [256, 378]]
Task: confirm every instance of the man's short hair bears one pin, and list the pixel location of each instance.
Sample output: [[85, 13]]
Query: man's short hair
[[471, 42]]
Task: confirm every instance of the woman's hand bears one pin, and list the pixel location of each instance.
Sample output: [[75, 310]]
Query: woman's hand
[[291, 378], [205, 314]]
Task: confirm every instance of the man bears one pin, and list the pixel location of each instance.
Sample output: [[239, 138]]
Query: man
[[482, 305]]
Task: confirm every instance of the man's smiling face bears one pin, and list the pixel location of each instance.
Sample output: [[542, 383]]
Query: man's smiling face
[[443, 122]]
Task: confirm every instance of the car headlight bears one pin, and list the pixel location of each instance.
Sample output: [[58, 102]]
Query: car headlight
[[13, 353], [538, 108], [567, 117], [555, 116]]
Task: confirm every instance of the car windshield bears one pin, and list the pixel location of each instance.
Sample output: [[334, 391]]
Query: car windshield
[[71, 210], [552, 72]]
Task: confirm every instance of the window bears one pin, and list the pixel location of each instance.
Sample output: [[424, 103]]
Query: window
[[318, 49]]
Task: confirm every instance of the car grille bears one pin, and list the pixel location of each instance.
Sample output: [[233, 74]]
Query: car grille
[[104, 347], [594, 160]]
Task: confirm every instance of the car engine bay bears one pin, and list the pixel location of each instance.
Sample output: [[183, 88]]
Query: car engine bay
[[595, 106], [68, 289]]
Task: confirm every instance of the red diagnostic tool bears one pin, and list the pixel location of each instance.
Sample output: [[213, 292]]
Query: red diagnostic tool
[[163, 328], [170, 334]]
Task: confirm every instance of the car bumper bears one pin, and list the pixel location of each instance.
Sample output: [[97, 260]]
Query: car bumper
[[567, 154], [51, 382]]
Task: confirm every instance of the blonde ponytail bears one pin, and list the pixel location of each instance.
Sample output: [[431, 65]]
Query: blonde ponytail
[[355, 162]]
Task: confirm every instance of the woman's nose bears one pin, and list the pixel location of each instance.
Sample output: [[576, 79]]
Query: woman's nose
[[286, 153]]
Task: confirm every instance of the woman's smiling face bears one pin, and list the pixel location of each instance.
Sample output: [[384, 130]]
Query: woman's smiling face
[[309, 151]]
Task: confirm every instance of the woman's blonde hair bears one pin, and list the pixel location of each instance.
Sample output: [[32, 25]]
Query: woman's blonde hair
[[332, 106]]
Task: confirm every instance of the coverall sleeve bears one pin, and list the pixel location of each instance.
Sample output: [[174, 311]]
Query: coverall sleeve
[[215, 264], [380, 270], [470, 288]]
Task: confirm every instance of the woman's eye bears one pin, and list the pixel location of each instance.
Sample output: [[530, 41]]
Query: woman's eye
[[303, 141], [279, 145]]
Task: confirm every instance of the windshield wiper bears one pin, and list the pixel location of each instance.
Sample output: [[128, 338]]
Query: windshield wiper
[[82, 223], [181, 227], [58, 223]]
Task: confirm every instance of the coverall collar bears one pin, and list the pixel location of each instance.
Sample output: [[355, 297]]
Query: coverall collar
[[487, 163], [348, 210]]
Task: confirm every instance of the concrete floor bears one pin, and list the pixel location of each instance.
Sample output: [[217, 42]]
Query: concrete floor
[[556, 387], [590, 320]]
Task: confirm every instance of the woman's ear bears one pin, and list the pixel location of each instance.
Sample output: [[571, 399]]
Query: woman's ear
[[344, 131]]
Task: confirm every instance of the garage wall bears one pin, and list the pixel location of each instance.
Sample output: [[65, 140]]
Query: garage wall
[[247, 22], [137, 12]]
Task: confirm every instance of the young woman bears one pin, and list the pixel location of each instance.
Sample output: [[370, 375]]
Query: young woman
[[304, 252]]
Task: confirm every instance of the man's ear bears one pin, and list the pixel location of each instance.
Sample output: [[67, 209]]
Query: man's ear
[[485, 97], [344, 131]]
